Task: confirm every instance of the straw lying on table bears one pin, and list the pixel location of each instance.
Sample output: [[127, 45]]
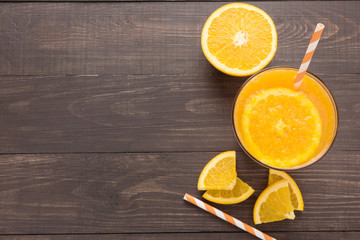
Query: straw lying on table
[[227, 217], [308, 55]]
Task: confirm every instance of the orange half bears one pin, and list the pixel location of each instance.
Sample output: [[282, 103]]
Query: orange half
[[239, 39]]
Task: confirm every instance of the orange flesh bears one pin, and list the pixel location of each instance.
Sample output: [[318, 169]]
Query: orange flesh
[[315, 92], [240, 38]]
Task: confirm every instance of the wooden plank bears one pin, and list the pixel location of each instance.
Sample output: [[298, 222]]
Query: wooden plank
[[160, 38], [147, 1], [209, 236], [142, 193], [139, 113]]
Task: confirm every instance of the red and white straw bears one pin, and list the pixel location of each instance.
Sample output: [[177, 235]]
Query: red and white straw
[[308, 55], [227, 217]]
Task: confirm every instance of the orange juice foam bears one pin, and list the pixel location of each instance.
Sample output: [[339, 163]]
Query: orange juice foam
[[281, 126]]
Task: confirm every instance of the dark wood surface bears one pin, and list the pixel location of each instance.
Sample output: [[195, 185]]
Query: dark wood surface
[[181, 236], [142, 192], [113, 77], [110, 111]]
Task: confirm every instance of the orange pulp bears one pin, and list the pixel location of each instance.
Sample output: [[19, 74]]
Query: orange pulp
[[283, 127]]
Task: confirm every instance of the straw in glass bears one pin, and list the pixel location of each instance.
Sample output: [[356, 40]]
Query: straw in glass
[[308, 55]]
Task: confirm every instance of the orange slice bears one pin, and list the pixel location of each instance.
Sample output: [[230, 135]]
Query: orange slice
[[219, 173], [239, 39], [281, 127], [239, 193], [295, 194], [274, 204]]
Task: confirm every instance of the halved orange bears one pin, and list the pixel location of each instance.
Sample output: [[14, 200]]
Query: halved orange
[[239, 39], [281, 127]]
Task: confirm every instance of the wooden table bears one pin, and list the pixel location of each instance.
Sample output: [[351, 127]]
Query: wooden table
[[109, 111]]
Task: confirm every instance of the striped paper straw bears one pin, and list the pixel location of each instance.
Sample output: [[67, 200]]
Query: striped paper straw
[[308, 55], [227, 218]]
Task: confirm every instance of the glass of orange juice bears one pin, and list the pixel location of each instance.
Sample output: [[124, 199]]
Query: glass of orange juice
[[281, 127]]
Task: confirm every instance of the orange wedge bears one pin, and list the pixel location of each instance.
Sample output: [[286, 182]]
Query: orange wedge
[[239, 193], [219, 173], [274, 204], [295, 194]]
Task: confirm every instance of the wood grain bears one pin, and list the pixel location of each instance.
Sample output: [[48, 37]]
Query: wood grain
[[149, 1], [120, 77], [209, 236], [142, 193], [82, 80], [162, 38], [139, 113]]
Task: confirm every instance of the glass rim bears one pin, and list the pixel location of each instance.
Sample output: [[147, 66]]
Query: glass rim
[[301, 166]]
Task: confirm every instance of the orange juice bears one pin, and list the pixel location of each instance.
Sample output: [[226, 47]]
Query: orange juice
[[283, 127]]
